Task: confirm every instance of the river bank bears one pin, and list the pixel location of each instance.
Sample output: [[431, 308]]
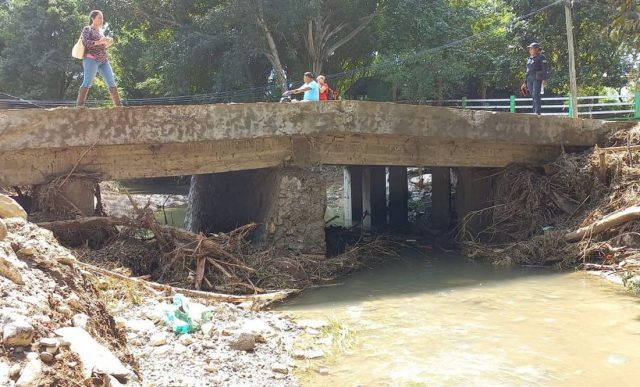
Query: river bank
[[64, 325]]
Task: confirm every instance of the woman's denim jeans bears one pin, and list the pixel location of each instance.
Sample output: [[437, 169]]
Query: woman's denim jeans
[[92, 67]]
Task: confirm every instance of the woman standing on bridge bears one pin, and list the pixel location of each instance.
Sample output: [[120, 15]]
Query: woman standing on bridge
[[95, 59]]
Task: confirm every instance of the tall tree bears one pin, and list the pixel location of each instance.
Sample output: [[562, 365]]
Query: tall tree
[[331, 28], [35, 56]]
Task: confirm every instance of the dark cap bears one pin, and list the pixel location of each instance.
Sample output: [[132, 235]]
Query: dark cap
[[534, 45]]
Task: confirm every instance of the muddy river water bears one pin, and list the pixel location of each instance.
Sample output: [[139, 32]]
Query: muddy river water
[[446, 321]]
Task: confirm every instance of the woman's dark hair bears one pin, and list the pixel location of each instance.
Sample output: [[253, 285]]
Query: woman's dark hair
[[93, 15]]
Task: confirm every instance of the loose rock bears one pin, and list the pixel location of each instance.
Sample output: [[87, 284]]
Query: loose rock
[[9, 271], [49, 342], [14, 371], [18, 333], [158, 339], [308, 354], [4, 373], [207, 329], [74, 301], [80, 320], [9, 208], [46, 357], [3, 230], [161, 350], [27, 251], [94, 356], [186, 340], [313, 324], [65, 310], [31, 374], [245, 342], [280, 368]]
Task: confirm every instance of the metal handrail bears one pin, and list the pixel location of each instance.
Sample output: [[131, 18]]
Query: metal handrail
[[612, 104]]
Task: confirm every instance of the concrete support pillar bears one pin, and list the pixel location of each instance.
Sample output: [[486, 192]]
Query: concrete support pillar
[[475, 192], [398, 198], [441, 197], [366, 199], [374, 197], [288, 204], [352, 195], [81, 192], [378, 197]]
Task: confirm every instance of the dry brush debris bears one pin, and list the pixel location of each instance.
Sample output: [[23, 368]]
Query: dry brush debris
[[581, 208]]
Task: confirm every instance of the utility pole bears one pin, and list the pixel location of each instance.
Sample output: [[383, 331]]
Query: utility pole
[[573, 84]]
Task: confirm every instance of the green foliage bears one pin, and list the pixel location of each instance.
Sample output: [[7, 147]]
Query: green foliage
[[186, 47], [35, 41]]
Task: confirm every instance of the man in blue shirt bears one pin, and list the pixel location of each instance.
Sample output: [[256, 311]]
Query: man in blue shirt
[[310, 88]]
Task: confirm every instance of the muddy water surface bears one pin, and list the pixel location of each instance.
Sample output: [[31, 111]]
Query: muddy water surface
[[445, 321]]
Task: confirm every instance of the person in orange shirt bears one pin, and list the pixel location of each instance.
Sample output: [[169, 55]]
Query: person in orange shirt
[[325, 91]]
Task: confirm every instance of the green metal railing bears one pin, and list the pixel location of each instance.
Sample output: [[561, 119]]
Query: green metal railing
[[600, 106]]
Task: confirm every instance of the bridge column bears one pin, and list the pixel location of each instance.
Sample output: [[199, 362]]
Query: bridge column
[[374, 197], [81, 192], [441, 197], [352, 195], [475, 192], [398, 198], [366, 199], [287, 204], [378, 197], [76, 194]]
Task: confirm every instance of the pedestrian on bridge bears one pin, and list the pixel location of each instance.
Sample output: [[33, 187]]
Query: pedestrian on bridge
[[95, 59], [311, 89], [326, 92], [536, 77]]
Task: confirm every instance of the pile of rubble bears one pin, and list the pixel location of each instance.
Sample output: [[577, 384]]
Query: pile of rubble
[[61, 325], [54, 329], [235, 347]]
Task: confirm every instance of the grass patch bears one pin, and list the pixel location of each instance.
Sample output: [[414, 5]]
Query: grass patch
[[339, 337], [116, 294]]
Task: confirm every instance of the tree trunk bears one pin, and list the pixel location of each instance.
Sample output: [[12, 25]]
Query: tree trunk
[[608, 222], [272, 53], [319, 36]]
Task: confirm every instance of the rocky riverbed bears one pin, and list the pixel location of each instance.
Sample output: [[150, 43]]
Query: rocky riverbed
[[61, 325], [235, 347]]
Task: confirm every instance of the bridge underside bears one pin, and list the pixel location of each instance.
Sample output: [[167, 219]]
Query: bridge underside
[[113, 162]]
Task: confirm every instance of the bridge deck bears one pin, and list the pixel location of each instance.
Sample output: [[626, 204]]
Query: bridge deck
[[152, 141]]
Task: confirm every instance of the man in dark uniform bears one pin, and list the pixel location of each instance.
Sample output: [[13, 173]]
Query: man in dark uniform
[[536, 76]]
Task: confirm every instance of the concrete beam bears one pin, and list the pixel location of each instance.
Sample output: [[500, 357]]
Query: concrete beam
[[441, 197], [116, 162], [398, 198]]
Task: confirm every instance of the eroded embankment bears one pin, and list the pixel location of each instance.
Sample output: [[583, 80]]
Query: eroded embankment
[[61, 325], [582, 209]]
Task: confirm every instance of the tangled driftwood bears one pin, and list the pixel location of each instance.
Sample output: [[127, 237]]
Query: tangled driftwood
[[578, 208]]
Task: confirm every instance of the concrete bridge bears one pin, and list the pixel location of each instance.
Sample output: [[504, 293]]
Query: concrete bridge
[[139, 142], [154, 141]]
